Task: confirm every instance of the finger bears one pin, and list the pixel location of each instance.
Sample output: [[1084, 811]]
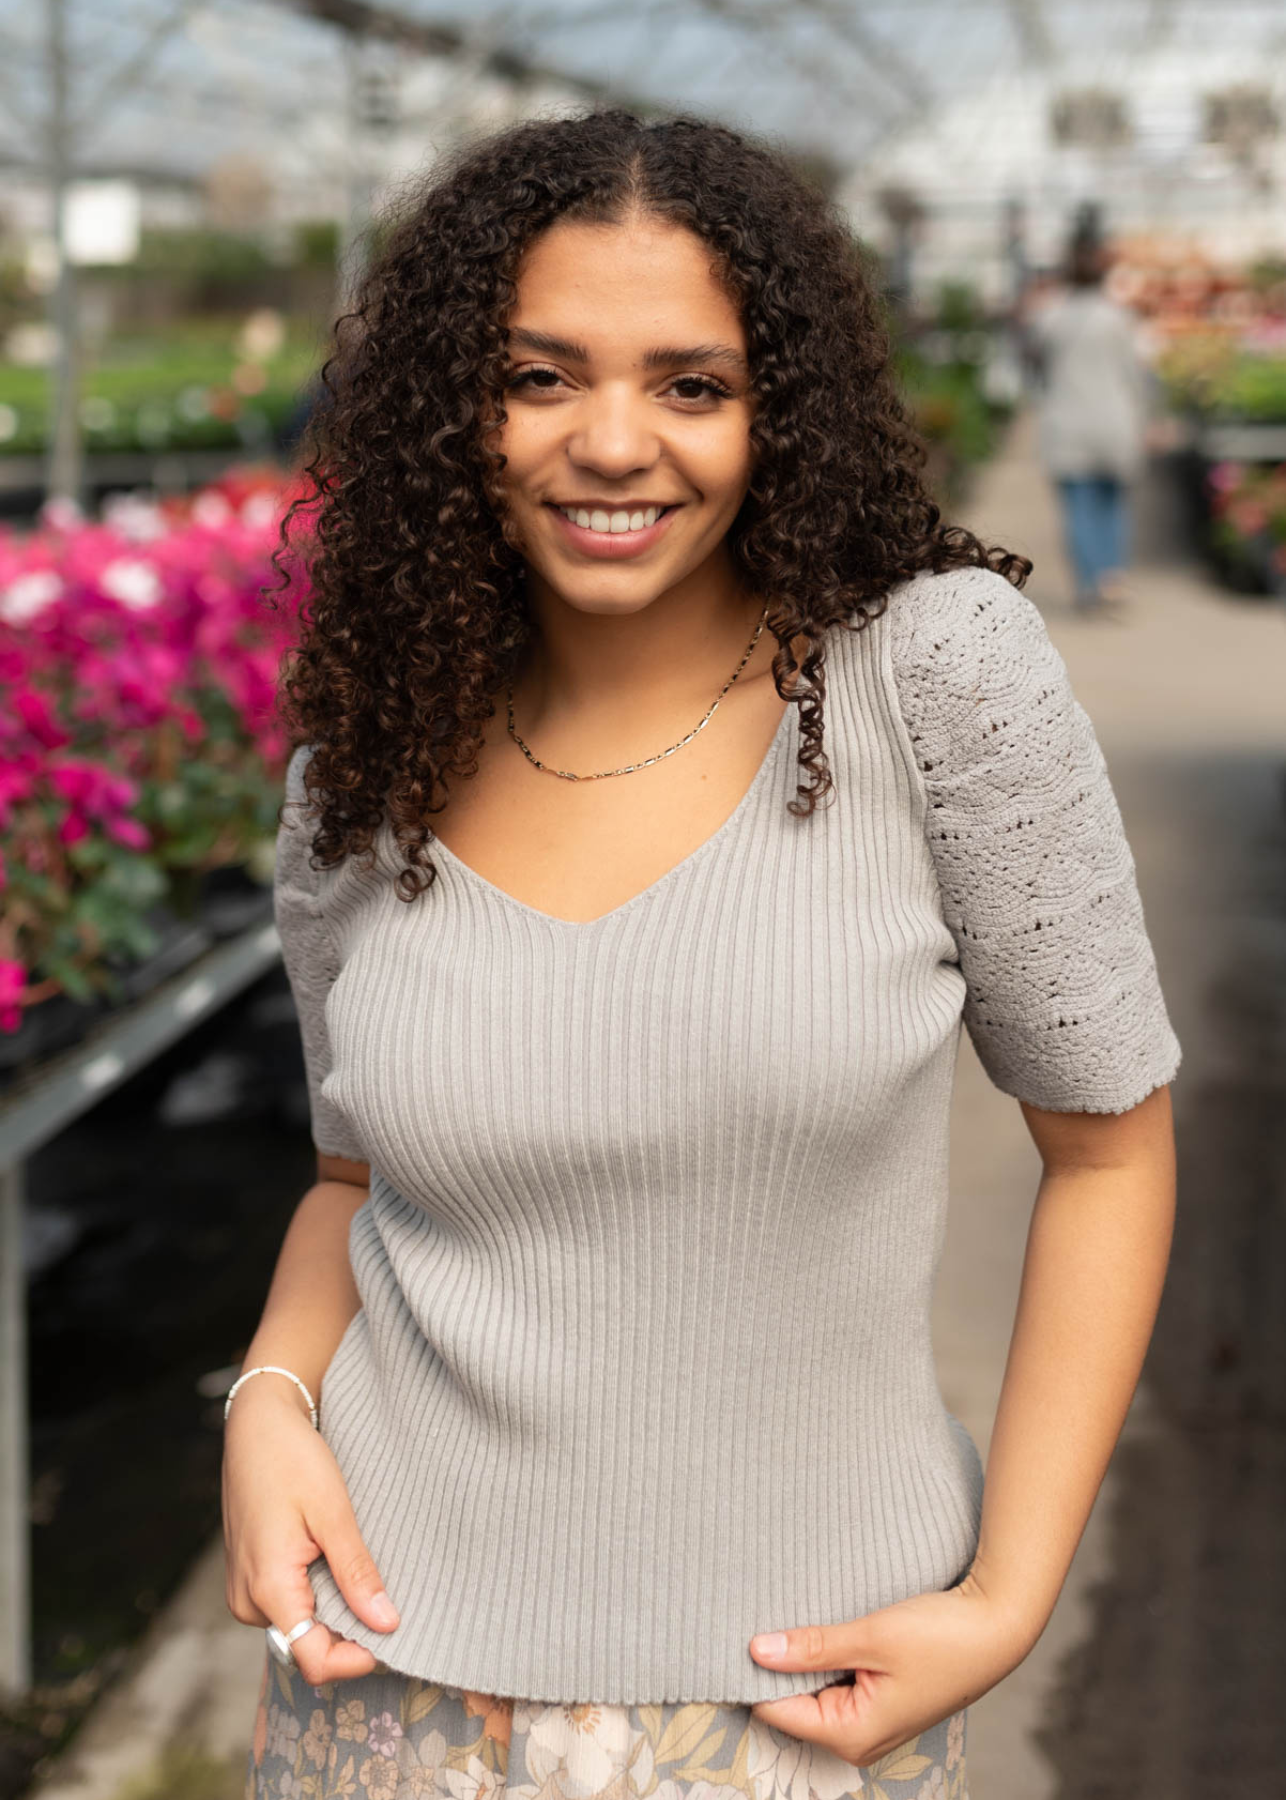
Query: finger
[[286, 1598], [832, 1717], [847, 1645], [798, 1715], [859, 1724], [322, 1655], [243, 1608], [353, 1567]]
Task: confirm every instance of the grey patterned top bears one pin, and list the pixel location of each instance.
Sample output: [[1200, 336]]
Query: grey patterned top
[[642, 1364]]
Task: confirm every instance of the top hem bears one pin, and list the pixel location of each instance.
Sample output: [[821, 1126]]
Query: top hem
[[816, 1679], [790, 1682]]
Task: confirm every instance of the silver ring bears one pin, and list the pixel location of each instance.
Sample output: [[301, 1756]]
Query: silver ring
[[279, 1642]]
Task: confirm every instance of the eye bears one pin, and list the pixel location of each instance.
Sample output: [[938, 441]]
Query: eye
[[698, 388], [706, 385], [538, 378]]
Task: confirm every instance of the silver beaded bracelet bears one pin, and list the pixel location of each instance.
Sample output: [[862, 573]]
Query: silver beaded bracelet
[[270, 1369]]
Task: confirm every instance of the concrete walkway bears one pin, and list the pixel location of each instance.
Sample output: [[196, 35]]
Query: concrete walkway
[[177, 1722], [1189, 666]]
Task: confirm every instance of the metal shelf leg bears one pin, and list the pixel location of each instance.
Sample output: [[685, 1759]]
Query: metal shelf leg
[[15, 1507]]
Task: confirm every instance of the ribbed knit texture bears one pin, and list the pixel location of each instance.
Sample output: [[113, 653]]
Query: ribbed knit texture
[[643, 1363]]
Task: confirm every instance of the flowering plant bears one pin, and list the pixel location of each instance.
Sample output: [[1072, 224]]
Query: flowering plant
[[139, 746], [1248, 512], [1238, 375]]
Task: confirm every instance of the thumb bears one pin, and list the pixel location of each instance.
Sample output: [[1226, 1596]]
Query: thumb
[[353, 1567]]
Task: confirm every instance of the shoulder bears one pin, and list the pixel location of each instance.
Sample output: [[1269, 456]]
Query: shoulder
[[978, 680], [297, 815], [968, 623], [299, 761], [294, 875]]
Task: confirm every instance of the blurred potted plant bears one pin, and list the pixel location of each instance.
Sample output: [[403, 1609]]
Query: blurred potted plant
[[140, 760], [1248, 525]]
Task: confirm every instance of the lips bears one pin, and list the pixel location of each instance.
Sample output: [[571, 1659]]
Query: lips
[[608, 545]]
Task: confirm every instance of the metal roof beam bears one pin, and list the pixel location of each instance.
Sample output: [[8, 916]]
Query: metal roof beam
[[362, 18], [848, 22], [1034, 37]]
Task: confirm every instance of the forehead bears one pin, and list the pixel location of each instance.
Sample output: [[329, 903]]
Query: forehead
[[645, 278]]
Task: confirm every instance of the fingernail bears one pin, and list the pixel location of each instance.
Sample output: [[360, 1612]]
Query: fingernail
[[769, 1643], [383, 1608]]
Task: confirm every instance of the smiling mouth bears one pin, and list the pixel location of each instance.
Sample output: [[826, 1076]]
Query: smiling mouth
[[615, 523]]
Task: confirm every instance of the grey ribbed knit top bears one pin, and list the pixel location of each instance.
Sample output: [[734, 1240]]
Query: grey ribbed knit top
[[642, 1364]]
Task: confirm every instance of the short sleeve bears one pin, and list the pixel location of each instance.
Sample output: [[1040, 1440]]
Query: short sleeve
[[309, 955], [1063, 1001]]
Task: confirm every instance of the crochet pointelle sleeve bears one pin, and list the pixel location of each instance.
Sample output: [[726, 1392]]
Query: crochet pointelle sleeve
[[1063, 1001], [311, 961]]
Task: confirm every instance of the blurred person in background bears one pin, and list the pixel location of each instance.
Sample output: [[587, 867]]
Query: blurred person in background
[[1093, 411]]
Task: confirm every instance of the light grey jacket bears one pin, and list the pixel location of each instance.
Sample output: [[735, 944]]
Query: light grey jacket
[[1093, 405]]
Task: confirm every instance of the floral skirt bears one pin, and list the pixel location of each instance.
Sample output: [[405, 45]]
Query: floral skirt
[[389, 1736]]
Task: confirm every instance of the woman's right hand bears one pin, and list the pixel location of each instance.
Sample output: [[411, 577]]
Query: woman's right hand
[[284, 1504]]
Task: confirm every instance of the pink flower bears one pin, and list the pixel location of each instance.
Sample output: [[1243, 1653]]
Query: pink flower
[[16, 785], [1248, 516], [38, 719], [1224, 476], [130, 833], [13, 978], [91, 786]]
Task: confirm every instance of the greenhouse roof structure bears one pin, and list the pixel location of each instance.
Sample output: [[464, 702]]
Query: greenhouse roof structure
[[844, 78], [1170, 113]]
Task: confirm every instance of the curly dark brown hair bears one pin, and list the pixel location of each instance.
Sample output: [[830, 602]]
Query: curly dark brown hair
[[417, 609]]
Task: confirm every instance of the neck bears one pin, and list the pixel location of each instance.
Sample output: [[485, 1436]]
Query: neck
[[672, 655]]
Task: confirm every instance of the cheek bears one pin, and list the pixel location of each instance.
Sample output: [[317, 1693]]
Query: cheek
[[723, 464], [519, 441]]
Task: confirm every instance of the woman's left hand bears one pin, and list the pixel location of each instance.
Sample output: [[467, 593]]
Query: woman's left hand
[[916, 1663]]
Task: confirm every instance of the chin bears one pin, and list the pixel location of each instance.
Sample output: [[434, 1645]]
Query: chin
[[599, 602], [587, 591]]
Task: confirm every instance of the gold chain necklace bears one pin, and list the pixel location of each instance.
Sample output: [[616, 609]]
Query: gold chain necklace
[[630, 767]]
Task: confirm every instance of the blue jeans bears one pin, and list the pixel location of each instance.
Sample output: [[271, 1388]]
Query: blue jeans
[[1095, 522]]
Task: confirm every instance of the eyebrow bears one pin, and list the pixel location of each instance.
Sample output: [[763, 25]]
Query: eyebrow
[[661, 356]]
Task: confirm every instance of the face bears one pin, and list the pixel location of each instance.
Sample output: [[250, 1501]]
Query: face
[[628, 435]]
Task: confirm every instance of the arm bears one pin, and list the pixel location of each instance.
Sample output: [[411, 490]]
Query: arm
[[312, 1296], [283, 1497], [1092, 1278]]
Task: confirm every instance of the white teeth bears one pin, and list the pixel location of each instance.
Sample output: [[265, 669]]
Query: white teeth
[[610, 523]]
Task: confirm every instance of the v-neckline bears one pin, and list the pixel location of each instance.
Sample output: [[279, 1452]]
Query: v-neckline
[[761, 775]]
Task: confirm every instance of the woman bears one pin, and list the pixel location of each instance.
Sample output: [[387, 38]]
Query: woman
[[1093, 423], [750, 782]]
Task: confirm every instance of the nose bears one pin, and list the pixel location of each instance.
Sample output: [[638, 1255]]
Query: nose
[[613, 434]]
